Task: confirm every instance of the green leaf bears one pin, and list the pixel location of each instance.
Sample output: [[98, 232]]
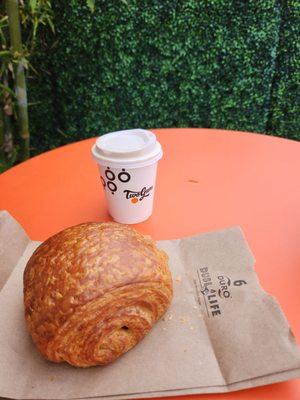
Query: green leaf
[[125, 2], [24, 62], [32, 5], [30, 66], [91, 5], [8, 90], [50, 23], [34, 103], [4, 18], [5, 53]]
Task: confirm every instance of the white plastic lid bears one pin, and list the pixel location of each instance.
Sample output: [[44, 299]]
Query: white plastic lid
[[129, 148]]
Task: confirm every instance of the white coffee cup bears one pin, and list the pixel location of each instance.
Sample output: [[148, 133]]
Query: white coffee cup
[[127, 162]]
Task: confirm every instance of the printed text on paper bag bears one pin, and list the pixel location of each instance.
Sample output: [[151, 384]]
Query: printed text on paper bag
[[209, 293]]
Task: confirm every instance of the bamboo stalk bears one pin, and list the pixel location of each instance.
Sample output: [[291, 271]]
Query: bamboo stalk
[[12, 8]]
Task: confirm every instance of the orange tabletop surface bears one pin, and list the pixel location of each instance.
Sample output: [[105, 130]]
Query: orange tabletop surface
[[207, 180]]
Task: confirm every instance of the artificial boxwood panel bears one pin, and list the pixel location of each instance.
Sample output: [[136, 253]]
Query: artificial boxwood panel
[[285, 101], [42, 116], [212, 63]]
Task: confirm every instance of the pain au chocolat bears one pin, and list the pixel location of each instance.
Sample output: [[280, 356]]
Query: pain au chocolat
[[93, 291]]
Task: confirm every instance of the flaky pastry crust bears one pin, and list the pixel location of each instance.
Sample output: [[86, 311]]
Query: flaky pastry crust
[[93, 291]]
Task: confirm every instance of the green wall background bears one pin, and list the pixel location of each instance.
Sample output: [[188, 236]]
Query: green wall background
[[214, 63]]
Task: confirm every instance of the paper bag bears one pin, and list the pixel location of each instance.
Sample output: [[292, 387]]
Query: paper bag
[[221, 333]]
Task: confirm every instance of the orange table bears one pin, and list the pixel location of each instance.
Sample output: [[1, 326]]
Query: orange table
[[207, 180]]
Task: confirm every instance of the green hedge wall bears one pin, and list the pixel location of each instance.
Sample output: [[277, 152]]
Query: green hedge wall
[[284, 119], [214, 63]]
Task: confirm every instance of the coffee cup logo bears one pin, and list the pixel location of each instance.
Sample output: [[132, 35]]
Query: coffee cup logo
[[137, 196], [110, 181]]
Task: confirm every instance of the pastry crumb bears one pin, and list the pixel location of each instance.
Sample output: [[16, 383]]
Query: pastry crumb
[[178, 278], [183, 319]]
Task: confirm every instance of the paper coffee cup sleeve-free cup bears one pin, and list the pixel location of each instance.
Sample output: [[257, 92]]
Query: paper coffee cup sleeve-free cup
[[127, 162]]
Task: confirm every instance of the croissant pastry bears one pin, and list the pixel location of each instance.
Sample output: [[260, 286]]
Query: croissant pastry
[[93, 291]]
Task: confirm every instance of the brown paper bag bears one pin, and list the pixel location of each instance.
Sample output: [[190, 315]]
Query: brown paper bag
[[222, 332]]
